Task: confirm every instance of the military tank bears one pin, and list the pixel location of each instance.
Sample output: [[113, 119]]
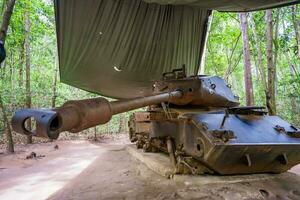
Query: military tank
[[196, 120], [129, 50]]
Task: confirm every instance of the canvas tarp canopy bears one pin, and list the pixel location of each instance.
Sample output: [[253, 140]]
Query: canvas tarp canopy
[[118, 48], [229, 5]]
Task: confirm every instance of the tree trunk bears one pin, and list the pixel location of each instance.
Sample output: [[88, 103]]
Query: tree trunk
[[95, 134], [259, 55], [21, 65], [270, 96], [293, 97], [54, 85], [230, 59], [107, 128], [11, 70], [7, 129], [296, 26], [203, 58], [247, 61], [27, 62], [6, 19], [3, 32], [294, 108], [122, 123], [275, 39]]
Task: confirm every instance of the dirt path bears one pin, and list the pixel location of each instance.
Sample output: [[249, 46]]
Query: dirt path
[[82, 170], [38, 178], [117, 175]]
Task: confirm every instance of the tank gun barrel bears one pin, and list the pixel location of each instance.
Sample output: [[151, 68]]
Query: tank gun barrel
[[75, 116], [127, 105]]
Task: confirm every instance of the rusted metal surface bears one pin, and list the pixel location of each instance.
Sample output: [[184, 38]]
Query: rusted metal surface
[[149, 116], [75, 116], [127, 105], [42, 117], [204, 91], [245, 143]]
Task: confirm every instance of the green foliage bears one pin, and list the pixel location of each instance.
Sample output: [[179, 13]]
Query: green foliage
[[224, 33]]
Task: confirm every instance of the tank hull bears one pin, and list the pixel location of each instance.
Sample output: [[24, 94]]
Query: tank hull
[[243, 141]]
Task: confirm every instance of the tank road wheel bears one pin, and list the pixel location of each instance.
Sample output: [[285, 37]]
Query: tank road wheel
[[147, 147]]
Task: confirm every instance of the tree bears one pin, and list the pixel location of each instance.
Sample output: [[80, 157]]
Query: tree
[[275, 36], [294, 10], [27, 63], [10, 4], [53, 104], [270, 96], [231, 62], [3, 33], [122, 123], [247, 60], [21, 64], [260, 66], [202, 65]]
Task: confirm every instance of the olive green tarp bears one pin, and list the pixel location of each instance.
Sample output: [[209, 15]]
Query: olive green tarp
[[118, 48], [229, 5]]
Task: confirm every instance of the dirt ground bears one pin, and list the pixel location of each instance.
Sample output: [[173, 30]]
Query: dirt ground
[[105, 170]]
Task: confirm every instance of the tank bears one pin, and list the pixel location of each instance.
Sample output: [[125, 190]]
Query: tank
[[196, 120]]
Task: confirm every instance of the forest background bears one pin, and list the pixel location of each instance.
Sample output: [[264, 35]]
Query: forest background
[[257, 53]]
